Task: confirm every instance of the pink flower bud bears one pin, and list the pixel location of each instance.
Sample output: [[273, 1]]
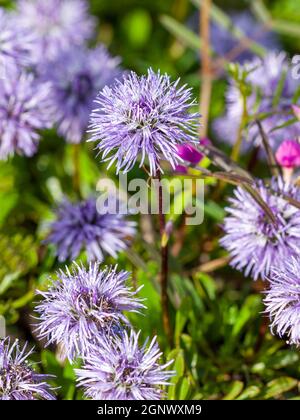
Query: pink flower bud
[[288, 154], [181, 169], [189, 153], [296, 110]]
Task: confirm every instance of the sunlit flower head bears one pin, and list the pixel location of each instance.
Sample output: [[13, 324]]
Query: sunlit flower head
[[84, 305], [253, 241], [121, 370], [143, 118], [283, 300], [18, 379]]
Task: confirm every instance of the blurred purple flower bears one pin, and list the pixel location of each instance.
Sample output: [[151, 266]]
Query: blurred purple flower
[[223, 41], [283, 300], [121, 370], [288, 154], [18, 381], [25, 108], [264, 78], [77, 76], [79, 226], [146, 116], [85, 305], [254, 243], [15, 44], [56, 24]]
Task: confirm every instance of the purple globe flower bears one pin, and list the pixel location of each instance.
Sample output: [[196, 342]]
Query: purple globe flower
[[143, 116], [254, 243], [25, 109], [283, 300], [85, 305], [121, 370], [263, 78], [18, 381], [56, 24], [76, 77], [80, 227], [16, 44]]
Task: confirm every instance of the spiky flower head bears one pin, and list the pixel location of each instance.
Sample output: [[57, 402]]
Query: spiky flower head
[[16, 44], [77, 76], [83, 305], [283, 300], [82, 226], [18, 380], [56, 24], [122, 370], [143, 116], [254, 242], [25, 109]]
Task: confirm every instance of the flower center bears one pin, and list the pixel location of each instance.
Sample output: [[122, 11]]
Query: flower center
[[11, 376], [268, 229]]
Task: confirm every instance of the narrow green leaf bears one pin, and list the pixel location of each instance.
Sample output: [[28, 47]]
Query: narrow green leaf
[[235, 389], [189, 38], [278, 386]]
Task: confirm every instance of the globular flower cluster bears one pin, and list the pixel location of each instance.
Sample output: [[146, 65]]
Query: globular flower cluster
[[283, 300], [124, 372], [143, 116], [83, 312], [265, 77], [85, 305], [82, 226], [76, 77], [56, 25], [25, 109], [18, 380], [255, 243]]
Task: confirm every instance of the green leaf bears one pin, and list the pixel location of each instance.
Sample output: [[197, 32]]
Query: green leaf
[[248, 393], [278, 386], [235, 389], [181, 32]]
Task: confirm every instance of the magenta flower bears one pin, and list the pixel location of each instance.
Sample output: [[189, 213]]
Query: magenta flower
[[189, 154], [288, 154]]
